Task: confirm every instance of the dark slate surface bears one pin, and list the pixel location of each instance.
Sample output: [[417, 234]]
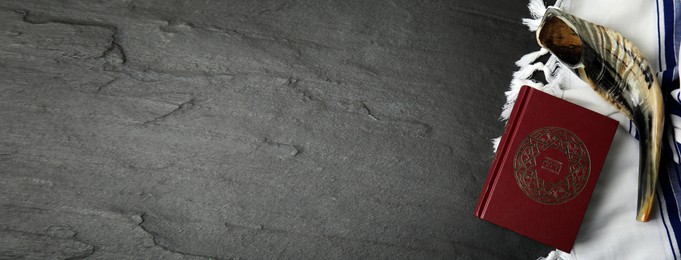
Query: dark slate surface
[[253, 129]]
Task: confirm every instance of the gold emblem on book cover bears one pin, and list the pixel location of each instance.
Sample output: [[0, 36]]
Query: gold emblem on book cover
[[552, 165]]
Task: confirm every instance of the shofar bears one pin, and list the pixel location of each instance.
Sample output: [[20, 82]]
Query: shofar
[[615, 69]]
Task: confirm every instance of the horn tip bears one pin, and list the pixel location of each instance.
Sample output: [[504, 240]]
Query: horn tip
[[643, 214]]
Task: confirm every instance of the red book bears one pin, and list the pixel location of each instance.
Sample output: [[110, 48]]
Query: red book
[[545, 169]]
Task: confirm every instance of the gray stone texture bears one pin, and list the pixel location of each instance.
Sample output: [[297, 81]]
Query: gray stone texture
[[253, 129]]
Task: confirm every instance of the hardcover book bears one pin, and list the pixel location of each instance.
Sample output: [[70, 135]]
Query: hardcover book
[[545, 169]]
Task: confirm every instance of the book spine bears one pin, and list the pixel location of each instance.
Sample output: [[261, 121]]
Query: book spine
[[502, 151]]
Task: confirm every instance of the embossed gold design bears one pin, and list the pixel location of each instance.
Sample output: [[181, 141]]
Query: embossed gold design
[[544, 177]]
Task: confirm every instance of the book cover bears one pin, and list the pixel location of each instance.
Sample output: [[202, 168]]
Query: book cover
[[545, 169]]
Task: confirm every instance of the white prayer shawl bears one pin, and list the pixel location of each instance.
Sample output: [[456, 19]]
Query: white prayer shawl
[[610, 229]]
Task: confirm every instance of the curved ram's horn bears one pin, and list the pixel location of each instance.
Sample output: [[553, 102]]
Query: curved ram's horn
[[613, 67]]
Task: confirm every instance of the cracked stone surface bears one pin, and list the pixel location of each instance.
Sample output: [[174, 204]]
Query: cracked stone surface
[[253, 129]]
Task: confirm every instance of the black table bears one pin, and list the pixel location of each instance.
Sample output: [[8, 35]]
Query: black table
[[253, 129]]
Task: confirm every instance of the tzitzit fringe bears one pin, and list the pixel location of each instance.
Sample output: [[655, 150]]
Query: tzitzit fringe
[[528, 65]]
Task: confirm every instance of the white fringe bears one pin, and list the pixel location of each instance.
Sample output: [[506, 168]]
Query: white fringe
[[552, 256], [533, 24], [557, 255], [527, 71], [495, 143], [527, 65], [527, 59], [537, 8], [512, 94]]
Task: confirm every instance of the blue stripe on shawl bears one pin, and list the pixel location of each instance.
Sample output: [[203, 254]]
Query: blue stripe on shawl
[[670, 171]]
